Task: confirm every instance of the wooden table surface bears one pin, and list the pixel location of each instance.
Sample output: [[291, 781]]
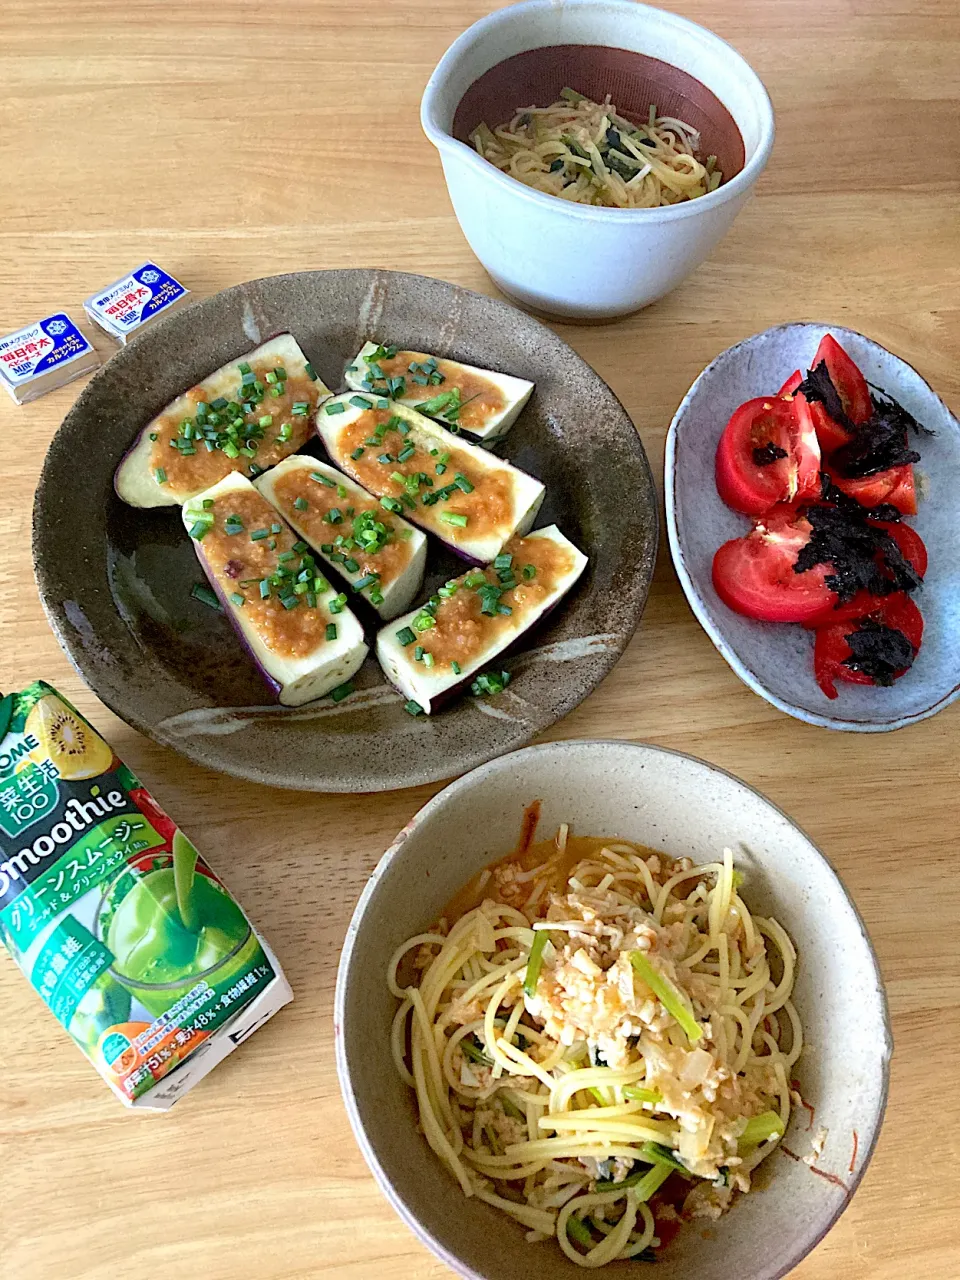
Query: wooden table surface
[[230, 140]]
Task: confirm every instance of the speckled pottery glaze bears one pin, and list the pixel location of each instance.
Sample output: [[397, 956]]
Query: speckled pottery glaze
[[115, 581], [775, 660], [585, 262], [687, 808]]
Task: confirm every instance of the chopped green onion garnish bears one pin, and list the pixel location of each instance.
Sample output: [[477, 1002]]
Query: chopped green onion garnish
[[367, 580], [200, 529], [259, 534], [462, 483], [428, 659], [534, 962], [456, 668], [406, 452], [406, 636], [200, 591], [761, 1129], [244, 367], [343, 691], [335, 406], [301, 504], [322, 479], [264, 588], [414, 709], [331, 632], [237, 598], [300, 409], [308, 367], [265, 421], [337, 604], [669, 995], [529, 571], [160, 475], [360, 402], [503, 561], [357, 453], [637, 1093], [452, 517], [270, 377], [334, 516], [299, 547]]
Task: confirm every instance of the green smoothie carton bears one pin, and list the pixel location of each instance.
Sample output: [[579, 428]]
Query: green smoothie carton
[[129, 938]]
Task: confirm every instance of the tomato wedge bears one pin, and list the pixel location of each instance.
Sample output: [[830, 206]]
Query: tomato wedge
[[851, 386], [754, 575], [896, 485], [850, 383], [768, 453], [864, 602], [896, 614], [791, 384]]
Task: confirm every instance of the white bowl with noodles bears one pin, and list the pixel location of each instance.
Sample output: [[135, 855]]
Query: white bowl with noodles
[[686, 808], [578, 261]]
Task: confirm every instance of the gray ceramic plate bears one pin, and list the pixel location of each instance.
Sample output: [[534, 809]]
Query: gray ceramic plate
[[687, 808], [115, 581], [776, 661]]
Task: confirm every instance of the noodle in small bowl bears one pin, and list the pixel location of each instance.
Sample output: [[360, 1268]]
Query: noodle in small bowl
[[593, 212], [661, 1007]]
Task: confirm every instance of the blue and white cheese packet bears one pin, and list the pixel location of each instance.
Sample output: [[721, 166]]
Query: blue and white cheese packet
[[125, 307], [43, 356]]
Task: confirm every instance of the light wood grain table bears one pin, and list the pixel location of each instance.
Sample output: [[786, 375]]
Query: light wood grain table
[[231, 139]]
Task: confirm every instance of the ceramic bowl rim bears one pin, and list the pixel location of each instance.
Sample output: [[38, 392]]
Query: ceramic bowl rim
[[739, 185], [451, 794], [822, 720]]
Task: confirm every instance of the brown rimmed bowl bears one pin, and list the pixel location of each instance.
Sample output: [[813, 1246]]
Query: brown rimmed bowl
[[115, 581]]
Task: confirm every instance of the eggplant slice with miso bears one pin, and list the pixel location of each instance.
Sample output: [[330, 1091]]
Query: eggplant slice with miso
[[431, 653], [297, 628], [471, 500], [245, 417]]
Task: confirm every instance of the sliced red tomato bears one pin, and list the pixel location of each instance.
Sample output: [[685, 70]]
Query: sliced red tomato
[[851, 387], [850, 383], [913, 548], [749, 484], [832, 648], [754, 575], [910, 543], [896, 485], [791, 384]]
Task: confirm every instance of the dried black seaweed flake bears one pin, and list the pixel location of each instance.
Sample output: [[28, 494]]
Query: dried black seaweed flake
[[766, 454], [861, 554], [883, 653]]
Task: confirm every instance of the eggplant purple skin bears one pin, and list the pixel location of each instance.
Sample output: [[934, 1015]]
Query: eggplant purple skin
[[270, 681], [441, 700]]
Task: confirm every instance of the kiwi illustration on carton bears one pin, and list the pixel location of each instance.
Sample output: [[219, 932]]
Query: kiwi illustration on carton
[[68, 741]]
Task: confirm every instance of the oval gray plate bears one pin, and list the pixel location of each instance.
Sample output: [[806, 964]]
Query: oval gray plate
[[775, 660], [115, 581]]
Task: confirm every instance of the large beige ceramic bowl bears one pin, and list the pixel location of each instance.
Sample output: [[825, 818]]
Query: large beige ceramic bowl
[[685, 807]]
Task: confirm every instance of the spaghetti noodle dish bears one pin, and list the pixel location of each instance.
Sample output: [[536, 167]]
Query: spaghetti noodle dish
[[586, 152], [600, 1039]]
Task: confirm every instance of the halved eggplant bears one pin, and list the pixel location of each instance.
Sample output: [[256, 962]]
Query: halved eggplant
[[470, 499], [297, 628], [484, 403], [432, 652], [243, 418], [377, 552]]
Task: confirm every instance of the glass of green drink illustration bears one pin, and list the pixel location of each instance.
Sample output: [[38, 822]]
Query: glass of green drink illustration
[[169, 928]]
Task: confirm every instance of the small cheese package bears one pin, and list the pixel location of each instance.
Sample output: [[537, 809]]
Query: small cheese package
[[43, 356], [137, 948], [125, 307]]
